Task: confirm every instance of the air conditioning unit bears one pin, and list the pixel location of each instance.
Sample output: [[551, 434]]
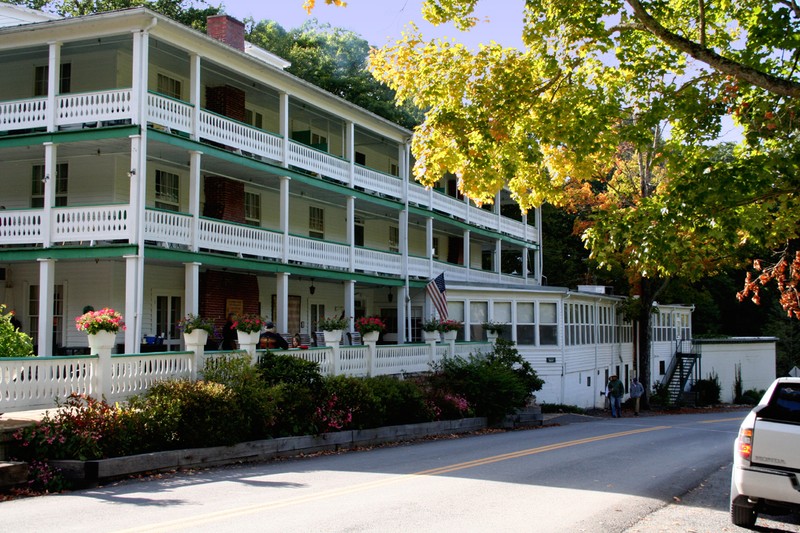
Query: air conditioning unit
[[596, 289]]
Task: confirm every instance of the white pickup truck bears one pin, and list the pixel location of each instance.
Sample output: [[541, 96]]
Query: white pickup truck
[[766, 456]]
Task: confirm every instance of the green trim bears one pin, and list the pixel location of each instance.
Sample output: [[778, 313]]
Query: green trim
[[262, 266], [60, 137], [72, 252]]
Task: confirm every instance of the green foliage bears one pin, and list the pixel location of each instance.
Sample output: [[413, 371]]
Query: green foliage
[[13, 343], [660, 394], [334, 59], [277, 368], [182, 11], [495, 384], [208, 413], [752, 396], [708, 390]]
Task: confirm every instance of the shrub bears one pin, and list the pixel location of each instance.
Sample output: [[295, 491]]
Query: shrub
[[561, 408], [708, 390], [208, 413], [257, 406], [495, 384], [13, 343], [660, 394], [281, 368], [81, 428]]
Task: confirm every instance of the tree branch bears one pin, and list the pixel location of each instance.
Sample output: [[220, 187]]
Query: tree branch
[[768, 82]]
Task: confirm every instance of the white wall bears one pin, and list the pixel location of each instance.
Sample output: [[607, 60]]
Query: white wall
[[756, 357]]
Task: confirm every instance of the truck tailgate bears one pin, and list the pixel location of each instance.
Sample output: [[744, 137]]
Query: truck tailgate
[[775, 445]]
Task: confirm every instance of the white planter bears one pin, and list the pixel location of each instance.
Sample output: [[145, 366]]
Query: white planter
[[371, 336], [247, 339], [332, 336], [197, 337], [429, 336], [101, 341], [491, 336], [450, 335]]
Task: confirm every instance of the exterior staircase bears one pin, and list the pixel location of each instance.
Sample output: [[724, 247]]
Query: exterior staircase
[[682, 373]]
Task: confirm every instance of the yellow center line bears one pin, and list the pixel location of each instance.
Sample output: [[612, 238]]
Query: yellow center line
[[736, 419], [197, 520]]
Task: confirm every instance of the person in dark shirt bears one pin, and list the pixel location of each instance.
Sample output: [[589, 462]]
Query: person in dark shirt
[[229, 335], [270, 339]]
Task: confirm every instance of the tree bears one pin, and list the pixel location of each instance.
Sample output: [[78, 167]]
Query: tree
[[183, 11], [333, 59], [576, 119]]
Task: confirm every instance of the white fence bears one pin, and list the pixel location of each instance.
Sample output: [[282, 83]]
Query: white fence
[[28, 383]]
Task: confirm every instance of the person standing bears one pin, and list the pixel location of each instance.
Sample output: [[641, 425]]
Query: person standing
[[229, 334], [637, 390], [616, 390]]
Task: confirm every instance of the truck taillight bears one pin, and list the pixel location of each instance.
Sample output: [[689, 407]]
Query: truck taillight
[[745, 443]]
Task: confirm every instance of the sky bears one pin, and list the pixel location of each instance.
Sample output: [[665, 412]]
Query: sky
[[381, 21]]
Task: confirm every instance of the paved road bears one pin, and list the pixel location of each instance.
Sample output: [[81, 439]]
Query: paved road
[[605, 475]]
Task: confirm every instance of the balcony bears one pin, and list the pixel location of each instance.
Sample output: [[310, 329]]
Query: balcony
[[176, 117], [93, 225]]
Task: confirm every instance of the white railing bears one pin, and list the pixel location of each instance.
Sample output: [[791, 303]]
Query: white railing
[[168, 227], [169, 113], [419, 267], [23, 114], [73, 224], [321, 163], [21, 226], [480, 276], [515, 228], [135, 373], [378, 182], [39, 382], [330, 255], [239, 238], [379, 262], [447, 204], [240, 136], [481, 217], [93, 107]]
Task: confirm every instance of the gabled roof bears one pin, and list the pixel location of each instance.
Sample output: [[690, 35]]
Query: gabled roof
[[13, 15]]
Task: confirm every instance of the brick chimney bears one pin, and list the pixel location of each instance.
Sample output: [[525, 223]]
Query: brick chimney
[[226, 29]]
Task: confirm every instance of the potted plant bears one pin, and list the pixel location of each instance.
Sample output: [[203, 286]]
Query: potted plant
[[101, 327], [248, 327], [196, 329], [332, 328], [449, 329], [431, 329], [370, 328], [493, 329]]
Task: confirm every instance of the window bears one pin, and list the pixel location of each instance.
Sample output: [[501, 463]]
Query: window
[[40, 79], [252, 208], [662, 367], [435, 251], [361, 159], [502, 315], [358, 232], [548, 324], [394, 169], [58, 314], [254, 118], [61, 183], [316, 222], [169, 86], [526, 325], [168, 190], [394, 239]]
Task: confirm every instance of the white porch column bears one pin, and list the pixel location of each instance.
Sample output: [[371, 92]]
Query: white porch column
[[53, 79], [133, 326], [136, 210], [351, 231], [46, 295], [403, 300], [467, 234], [191, 287], [194, 197], [284, 216], [498, 254], [194, 94], [283, 120], [282, 292], [350, 151], [349, 301], [429, 244], [539, 264], [50, 166]]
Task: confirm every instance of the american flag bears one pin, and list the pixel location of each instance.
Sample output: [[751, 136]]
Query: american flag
[[437, 291]]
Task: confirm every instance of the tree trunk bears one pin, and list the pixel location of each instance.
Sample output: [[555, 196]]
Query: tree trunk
[[646, 297]]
